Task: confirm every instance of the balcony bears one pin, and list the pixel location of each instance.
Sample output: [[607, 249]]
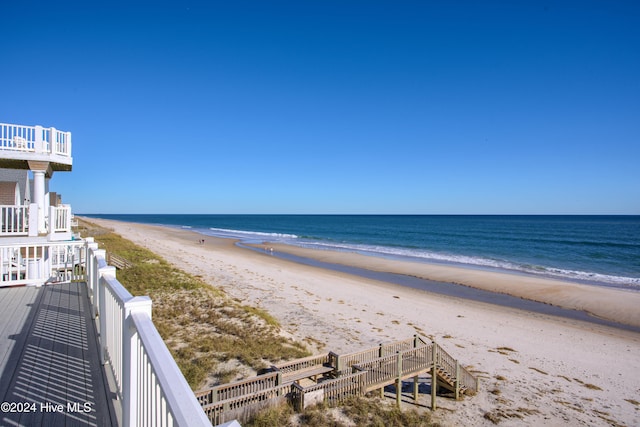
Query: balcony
[[23, 144], [60, 342], [15, 221]]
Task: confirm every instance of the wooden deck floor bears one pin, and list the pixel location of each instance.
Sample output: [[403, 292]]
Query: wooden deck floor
[[50, 373]]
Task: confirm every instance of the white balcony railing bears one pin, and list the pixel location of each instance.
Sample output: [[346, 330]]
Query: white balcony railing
[[60, 218], [36, 264], [36, 139], [14, 220], [149, 384]]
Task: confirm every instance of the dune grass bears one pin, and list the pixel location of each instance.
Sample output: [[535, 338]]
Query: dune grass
[[202, 326], [355, 412]]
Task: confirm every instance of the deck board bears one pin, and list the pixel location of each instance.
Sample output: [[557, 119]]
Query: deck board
[[54, 359], [15, 316]]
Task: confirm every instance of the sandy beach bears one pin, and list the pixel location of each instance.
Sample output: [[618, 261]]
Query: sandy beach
[[535, 369]]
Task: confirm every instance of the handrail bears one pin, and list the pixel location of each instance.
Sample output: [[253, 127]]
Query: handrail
[[239, 388], [35, 139], [39, 263], [353, 374], [246, 405], [156, 366], [298, 364], [60, 218], [344, 362], [331, 391], [148, 382], [14, 220]]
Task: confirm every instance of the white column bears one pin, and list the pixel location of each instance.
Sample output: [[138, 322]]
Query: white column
[[39, 142], [38, 190]]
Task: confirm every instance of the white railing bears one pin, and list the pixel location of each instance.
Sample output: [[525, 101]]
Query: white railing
[[60, 218], [149, 384], [37, 264], [35, 139], [14, 220]]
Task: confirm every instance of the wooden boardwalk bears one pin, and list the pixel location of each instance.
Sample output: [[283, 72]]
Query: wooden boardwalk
[[332, 378], [50, 373]]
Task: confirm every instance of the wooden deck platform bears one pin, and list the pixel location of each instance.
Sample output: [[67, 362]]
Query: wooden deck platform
[[50, 372]]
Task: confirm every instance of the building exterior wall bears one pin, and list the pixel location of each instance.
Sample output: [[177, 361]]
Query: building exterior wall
[[22, 178]]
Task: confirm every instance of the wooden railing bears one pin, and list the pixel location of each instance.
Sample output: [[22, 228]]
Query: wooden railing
[[344, 362], [350, 375], [119, 262], [332, 392], [239, 388], [148, 382], [286, 368], [35, 139], [243, 407], [378, 371], [387, 369]]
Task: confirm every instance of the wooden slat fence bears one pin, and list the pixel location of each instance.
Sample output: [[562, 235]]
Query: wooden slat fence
[[332, 391], [237, 389], [287, 368], [378, 371], [446, 362], [244, 407], [119, 262], [417, 359], [344, 362], [351, 374]]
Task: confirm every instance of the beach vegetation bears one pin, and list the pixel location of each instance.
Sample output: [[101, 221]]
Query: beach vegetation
[[587, 385], [499, 414], [201, 325], [356, 411], [592, 386]]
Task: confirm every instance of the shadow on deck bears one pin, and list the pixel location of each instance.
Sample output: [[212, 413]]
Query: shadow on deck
[[50, 372]]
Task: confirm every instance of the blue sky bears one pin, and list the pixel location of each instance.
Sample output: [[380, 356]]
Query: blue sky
[[333, 106]]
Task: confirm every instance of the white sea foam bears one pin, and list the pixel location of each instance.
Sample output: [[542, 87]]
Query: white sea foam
[[224, 232], [429, 256], [480, 262]]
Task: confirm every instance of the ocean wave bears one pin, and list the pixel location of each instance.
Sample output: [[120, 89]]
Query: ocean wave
[[479, 262], [224, 232]]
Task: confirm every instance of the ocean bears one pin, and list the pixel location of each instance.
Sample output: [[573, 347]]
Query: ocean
[[599, 250]]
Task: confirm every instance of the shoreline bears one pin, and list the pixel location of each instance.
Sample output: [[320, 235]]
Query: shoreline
[[615, 305], [534, 369], [450, 289]]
